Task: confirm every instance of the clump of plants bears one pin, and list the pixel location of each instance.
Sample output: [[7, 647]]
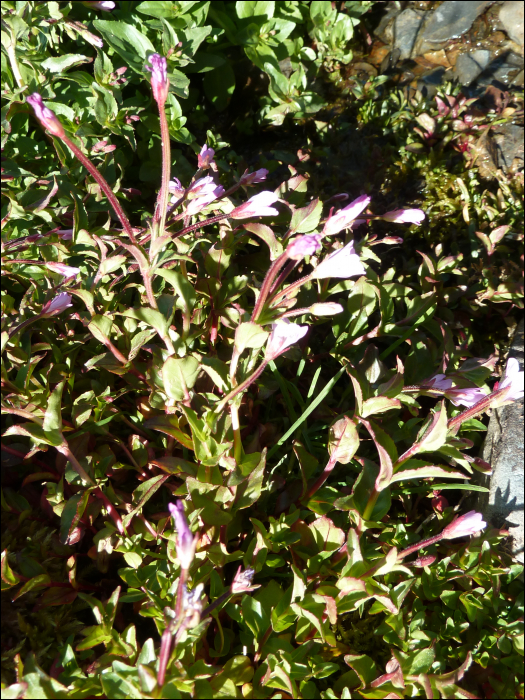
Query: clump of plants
[[237, 439]]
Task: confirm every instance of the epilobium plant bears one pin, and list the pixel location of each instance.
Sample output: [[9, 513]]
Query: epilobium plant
[[228, 434]]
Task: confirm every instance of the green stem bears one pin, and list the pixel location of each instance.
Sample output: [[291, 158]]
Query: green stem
[[419, 545], [11, 52], [103, 186], [274, 301], [159, 219], [370, 505]]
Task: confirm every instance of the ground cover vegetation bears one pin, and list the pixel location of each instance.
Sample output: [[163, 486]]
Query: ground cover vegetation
[[255, 311]]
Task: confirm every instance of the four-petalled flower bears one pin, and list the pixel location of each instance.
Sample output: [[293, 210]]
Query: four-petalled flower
[[304, 245], [205, 157], [65, 270], [283, 335], [54, 307]]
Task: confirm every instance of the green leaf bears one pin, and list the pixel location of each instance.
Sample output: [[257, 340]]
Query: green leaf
[[379, 404], [35, 582], [9, 577], [150, 316], [51, 437], [180, 374], [127, 41], [267, 235], [183, 288], [306, 219], [248, 8], [60, 63], [96, 634], [364, 486], [362, 664], [160, 8], [100, 327], [426, 471], [435, 433], [169, 424], [249, 491], [249, 335], [111, 264], [73, 511], [343, 441], [387, 454], [254, 616], [53, 415], [142, 494]]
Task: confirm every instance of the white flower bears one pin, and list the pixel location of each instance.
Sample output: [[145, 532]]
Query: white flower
[[343, 263], [282, 336]]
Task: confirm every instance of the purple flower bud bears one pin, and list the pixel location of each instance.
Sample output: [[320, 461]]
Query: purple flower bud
[[57, 305], [328, 308], [104, 6], [283, 335], [159, 78], [45, 116], [258, 205], [344, 218], [205, 157], [186, 543], [253, 178], [512, 381], [343, 263], [62, 269], [468, 524], [66, 234], [304, 245], [405, 216], [465, 397]]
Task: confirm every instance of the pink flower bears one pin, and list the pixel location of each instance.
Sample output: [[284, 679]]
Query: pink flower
[[329, 308], [62, 269], [202, 192], [465, 397], [346, 216], [253, 178], [304, 245], [242, 581], [258, 205], [105, 6], [54, 307], [282, 336], [186, 542], [405, 216], [438, 381], [66, 234], [159, 78], [205, 157], [343, 263], [468, 524], [45, 116], [512, 381]]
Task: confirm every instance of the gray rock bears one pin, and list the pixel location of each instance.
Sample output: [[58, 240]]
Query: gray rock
[[503, 449], [470, 65], [509, 143], [406, 27], [511, 17], [503, 69], [452, 19]]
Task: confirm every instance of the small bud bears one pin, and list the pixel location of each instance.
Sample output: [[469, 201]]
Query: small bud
[[405, 216], [468, 524], [54, 307], [104, 6], [253, 178], [205, 157], [45, 116], [186, 542], [328, 308], [242, 583], [65, 270], [258, 205], [304, 245], [159, 78]]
